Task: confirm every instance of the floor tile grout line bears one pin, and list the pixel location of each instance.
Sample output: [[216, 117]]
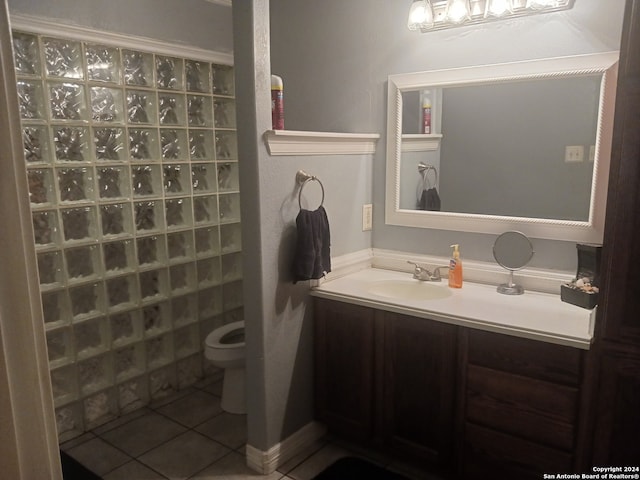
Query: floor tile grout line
[[146, 451], [139, 460], [150, 468], [182, 424], [154, 409], [141, 463], [211, 464], [138, 457], [147, 407]]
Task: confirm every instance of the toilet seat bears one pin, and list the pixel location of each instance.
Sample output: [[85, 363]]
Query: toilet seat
[[222, 353], [216, 339]]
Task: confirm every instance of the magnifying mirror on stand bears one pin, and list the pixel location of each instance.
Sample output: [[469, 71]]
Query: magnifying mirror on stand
[[512, 251]]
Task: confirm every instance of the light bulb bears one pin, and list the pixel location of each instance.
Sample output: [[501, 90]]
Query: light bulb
[[540, 4], [420, 15], [498, 8], [458, 11]]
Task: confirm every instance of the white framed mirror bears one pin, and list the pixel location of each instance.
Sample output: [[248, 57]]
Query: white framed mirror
[[515, 146]]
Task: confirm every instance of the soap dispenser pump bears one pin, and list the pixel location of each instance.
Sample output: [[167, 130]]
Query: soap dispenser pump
[[455, 268]]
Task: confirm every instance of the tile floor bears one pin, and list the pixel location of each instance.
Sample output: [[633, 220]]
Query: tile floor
[[189, 436]]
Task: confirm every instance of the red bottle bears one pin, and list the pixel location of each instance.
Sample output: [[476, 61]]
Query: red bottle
[[426, 114], [277, 103]]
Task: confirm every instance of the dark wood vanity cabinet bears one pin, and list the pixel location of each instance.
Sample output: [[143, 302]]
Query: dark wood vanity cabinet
[[386, 379], [470, 403], [522, 401]]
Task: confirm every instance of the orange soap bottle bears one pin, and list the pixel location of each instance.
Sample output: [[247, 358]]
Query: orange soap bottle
[[455, 268]]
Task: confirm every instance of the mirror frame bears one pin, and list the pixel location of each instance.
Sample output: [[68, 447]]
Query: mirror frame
[[590, 231]]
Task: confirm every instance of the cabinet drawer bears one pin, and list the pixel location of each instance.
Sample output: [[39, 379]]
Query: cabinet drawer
[[533, 409], [491, 454], [545, 361]]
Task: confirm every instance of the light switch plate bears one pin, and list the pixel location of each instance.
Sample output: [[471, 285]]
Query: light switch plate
[[367, 217]]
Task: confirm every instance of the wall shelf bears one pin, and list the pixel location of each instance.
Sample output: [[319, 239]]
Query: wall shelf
[[417, 142], [296, 142]]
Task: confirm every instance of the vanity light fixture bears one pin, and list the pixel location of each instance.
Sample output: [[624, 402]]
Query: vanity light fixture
[[458, 11], [428, 15], [498, 8], [540, 4], [420, 15]]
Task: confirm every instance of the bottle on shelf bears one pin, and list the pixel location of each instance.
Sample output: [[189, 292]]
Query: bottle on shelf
[[277, 103], [426, 112]]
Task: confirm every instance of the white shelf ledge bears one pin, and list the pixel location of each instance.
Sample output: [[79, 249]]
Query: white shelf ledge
[[416, 142], [296, 142]]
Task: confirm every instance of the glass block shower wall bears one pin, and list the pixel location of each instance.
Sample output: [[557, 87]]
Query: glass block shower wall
[[132, 168]]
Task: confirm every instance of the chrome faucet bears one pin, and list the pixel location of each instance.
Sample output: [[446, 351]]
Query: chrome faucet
[[421, 273]]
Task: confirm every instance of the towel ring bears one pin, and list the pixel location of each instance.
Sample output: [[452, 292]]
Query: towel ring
[[303, 178], [424, 171]]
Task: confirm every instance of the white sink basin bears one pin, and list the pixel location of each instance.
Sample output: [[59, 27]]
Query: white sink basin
[[409, 289]]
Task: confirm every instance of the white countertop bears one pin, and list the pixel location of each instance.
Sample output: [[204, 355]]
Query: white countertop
[[533, 315]]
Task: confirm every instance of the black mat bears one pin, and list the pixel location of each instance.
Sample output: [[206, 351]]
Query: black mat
[[74, 470], [352, 468]]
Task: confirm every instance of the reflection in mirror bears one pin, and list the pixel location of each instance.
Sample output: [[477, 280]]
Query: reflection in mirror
[[522, 146], [504, 148], [512, 251]]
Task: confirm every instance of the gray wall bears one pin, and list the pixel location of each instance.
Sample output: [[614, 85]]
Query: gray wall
[[277, 312], [335, 57], [504, 147], [188, 22]]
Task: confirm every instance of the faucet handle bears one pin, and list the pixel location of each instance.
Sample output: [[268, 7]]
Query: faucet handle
[[418, 267], [420, 272], [436, 272]]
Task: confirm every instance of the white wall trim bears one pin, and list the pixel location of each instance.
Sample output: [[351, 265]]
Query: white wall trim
[[417, 142], [266, 462], [296, 142], [28, 23]]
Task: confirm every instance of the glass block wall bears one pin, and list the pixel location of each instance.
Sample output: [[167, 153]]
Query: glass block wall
[[132, 168]]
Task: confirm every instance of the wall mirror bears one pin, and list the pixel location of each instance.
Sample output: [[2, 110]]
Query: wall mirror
[[516, 146]]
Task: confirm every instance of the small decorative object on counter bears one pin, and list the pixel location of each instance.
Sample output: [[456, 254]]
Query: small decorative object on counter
[[583, 291], [277, 103]]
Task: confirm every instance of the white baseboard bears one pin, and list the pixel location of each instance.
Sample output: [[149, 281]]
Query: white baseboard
[[266, 462]]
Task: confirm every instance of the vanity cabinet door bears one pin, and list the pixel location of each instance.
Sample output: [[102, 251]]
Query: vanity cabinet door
[[344, 368], [419, 387]]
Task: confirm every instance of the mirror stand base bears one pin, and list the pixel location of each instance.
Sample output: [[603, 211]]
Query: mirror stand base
[[510, 289]]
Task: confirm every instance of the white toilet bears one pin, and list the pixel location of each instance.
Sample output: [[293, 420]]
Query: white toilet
[[224, 347]]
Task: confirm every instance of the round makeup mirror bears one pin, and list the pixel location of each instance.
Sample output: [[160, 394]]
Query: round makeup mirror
[[512, 251]]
